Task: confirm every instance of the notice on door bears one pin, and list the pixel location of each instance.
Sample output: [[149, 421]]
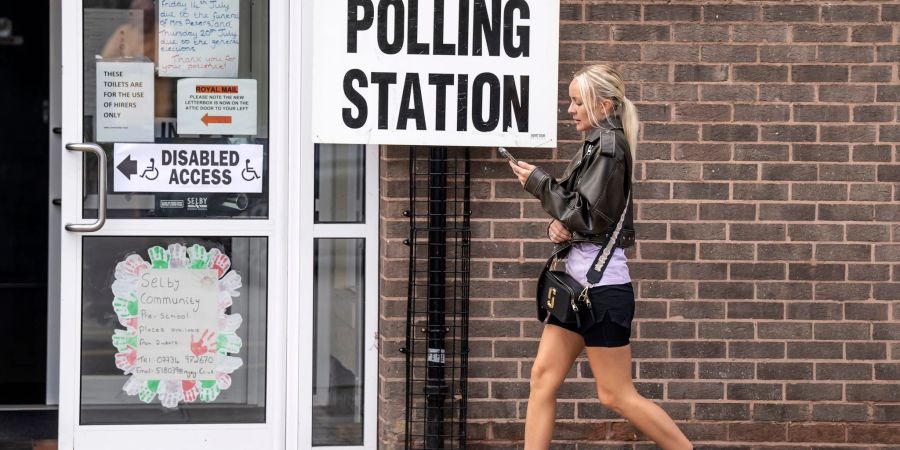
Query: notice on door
[[199, 38], [188, 168], [124, 101], [176, 330], [216, 106]]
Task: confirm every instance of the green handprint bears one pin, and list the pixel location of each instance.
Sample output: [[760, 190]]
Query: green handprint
[[126, 307], [148, 391], [228, 343], [158, 257], [199, 256], [123, 339], [209, 390]]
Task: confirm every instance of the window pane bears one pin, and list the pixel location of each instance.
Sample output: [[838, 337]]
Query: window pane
[[338, 353], [173, 330], [163, 75], [340, 183]]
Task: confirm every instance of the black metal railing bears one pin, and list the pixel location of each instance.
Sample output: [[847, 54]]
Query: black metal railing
[[437, 317]]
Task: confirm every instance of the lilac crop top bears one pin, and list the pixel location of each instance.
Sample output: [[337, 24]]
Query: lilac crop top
[[582, 254]]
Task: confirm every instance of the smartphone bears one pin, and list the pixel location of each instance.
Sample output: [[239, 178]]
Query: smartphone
[[507, 155]]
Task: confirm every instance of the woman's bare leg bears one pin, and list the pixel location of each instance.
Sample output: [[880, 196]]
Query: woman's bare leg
[[556, 353], [612, 370]]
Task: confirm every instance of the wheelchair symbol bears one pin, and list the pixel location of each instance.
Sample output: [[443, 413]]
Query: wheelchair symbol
[[150, 173], [249, 173]]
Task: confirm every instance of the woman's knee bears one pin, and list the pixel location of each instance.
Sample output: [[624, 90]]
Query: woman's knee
[[616, 399], [546, 379]]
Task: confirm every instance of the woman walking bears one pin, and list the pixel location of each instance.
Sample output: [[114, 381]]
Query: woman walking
[[586, 203]]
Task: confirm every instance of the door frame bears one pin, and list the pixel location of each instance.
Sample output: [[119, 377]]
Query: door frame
[[302, 235], [270, 434]]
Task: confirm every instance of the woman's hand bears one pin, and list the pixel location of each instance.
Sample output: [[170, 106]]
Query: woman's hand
[[522, 171], [558, 232]]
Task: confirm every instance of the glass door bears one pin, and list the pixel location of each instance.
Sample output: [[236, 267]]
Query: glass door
[[173, 208]]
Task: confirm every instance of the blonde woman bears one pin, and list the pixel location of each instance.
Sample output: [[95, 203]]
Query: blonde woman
[[586, 204]]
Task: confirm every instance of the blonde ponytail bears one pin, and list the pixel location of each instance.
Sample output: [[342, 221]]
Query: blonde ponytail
[[600, 81], [630, 123]]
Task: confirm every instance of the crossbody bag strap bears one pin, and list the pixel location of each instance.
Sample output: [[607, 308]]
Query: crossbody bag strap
[[595, 273]]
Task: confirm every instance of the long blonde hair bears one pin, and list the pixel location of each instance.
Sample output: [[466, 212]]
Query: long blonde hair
[[600, 81]]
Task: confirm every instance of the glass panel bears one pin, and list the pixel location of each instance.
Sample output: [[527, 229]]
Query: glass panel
[[338, 352], [185, 83], [340, 183], [173, 330]]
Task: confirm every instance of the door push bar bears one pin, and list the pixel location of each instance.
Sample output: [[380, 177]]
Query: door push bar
[[101, 187]]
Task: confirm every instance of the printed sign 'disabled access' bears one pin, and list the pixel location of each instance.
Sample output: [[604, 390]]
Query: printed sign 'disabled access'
[[188, 168], [448, 72]]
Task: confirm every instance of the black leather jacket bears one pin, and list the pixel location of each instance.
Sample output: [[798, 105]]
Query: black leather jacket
[[590, 196]]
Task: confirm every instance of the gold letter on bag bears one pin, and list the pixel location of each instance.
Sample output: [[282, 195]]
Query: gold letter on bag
[[551, 297]]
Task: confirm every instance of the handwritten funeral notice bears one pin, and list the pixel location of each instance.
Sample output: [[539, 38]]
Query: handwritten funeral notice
[[199, 38], [177, 324]]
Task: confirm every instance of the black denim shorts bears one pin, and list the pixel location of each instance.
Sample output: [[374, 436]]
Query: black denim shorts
[[613, 311]]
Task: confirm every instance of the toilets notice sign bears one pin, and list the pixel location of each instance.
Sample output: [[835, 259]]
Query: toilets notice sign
[[188, 168]]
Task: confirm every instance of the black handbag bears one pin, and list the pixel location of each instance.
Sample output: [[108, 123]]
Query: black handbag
[[561, 295]]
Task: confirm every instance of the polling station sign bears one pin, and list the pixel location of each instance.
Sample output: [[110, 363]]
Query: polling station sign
[[435, 72], [210, 168]]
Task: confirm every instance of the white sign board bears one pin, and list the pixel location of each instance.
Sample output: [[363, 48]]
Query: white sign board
[[177, 324], [188, 168], [216, 106], [109, 33], [451, 72], [199, 38], [124, 102]]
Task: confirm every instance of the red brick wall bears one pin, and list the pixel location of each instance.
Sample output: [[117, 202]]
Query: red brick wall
[[767, 267]]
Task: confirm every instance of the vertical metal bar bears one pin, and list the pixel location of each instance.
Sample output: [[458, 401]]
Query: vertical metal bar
[[436, 386]]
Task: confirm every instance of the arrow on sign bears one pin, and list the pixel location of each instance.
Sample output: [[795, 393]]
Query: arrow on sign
[[128, 167], [208, 119]]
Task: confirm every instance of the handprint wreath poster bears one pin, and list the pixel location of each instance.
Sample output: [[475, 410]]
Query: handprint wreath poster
[[177, 337]]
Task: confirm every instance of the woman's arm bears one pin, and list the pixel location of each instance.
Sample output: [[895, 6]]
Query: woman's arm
[[587, 209]]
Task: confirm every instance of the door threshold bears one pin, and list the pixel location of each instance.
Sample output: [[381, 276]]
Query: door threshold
[[29, 407]]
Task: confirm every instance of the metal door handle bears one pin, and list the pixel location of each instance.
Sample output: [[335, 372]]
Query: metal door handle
[[101, 187]]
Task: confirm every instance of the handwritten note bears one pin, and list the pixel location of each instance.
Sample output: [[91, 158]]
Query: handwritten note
[[176, 333], [199, 38]]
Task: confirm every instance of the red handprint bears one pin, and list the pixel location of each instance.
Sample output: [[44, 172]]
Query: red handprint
[[220, 263], [125, 360], [205, 344]]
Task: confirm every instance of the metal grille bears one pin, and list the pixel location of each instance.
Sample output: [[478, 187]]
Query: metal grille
[[437, 317]]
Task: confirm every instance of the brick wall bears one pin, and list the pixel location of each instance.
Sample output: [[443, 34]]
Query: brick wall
[[767, 267]]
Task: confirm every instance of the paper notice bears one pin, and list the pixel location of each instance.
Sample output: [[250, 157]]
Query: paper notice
[[199, 38], [217, 106], [124, 102], [176, 335]]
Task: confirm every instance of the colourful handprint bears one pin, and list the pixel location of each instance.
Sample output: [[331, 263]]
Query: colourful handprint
[[199, 256], [205, 344], [158, 257], [177, 256], [126, 360]]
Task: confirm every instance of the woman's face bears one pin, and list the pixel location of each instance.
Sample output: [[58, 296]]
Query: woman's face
[[578, 109]]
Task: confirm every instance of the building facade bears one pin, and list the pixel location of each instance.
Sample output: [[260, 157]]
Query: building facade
[[766, 209], [766, 268]]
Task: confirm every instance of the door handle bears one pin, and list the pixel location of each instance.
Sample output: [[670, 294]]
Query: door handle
[[101, 187]]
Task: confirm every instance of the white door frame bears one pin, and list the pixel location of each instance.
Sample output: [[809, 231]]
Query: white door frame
[[269, 435], [302, 235]]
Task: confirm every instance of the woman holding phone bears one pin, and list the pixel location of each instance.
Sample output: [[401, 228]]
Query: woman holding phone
[[585, 204]]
